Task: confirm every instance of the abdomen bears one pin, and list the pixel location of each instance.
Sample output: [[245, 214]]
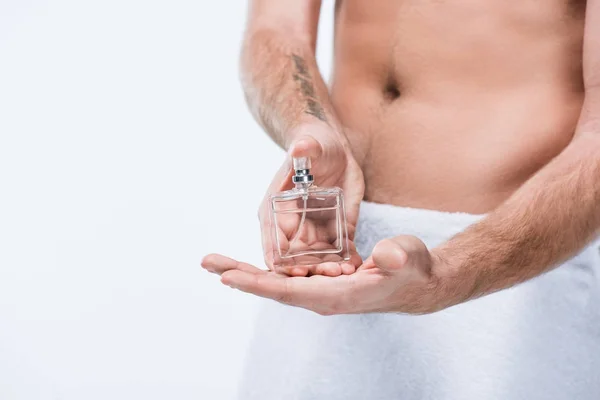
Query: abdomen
[[458, 102]]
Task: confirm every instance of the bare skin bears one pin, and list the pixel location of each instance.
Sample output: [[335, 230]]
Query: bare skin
[[475, 106], [457, 102]]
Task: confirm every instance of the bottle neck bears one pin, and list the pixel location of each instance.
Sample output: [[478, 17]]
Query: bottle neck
[[303, 186]]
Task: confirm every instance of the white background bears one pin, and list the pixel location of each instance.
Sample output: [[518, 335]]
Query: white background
[[124, 138]]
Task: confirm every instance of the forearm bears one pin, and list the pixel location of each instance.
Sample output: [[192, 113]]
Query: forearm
[[553, 215], [282, 84]]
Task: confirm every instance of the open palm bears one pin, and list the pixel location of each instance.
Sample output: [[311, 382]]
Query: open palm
[[396, 278]]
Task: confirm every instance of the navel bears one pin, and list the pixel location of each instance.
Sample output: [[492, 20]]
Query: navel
[[391, 91]]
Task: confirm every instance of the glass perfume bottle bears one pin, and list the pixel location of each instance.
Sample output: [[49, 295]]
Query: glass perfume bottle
[[308, 223]]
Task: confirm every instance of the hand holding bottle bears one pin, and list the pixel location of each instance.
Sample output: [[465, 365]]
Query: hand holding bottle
[[287, 226]]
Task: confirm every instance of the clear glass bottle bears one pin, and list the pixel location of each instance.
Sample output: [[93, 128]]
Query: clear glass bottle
[[308, 223]]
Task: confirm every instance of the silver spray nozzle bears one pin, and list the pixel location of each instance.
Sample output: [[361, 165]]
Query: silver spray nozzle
[[302, 171]]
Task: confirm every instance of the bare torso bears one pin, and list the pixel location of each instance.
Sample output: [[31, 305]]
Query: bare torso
[[455, 103]]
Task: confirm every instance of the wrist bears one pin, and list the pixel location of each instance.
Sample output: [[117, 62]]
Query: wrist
[[453, 286]]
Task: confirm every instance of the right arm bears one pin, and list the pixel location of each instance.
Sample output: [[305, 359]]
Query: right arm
[[289, 98], [279, 73]]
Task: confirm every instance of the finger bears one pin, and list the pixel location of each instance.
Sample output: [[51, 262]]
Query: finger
[[333, 265], [317, 293], [283, 178], [306, 146], [276, 233], [355, 258], [319, 268], [353, 195], [348, 268], [367, 264], [388, 255], [296, 270], [403, 253], [328, 269], [267, 243], [218, 264], [282, 181], [299, 271]]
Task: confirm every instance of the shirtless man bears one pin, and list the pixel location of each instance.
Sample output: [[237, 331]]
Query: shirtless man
[[467, 133]]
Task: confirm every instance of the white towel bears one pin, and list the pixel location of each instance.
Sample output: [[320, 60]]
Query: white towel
[[538, 340]]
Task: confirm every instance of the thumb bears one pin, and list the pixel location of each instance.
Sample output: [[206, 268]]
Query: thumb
[[306, 146], [403, 254]]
